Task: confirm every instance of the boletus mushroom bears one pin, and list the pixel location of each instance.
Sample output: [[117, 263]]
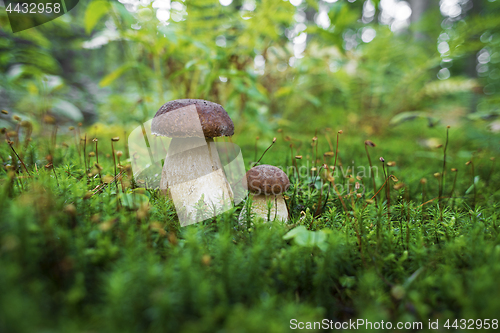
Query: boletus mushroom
[[267, 184], [192, 172]]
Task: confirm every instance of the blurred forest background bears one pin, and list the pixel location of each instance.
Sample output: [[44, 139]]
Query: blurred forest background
[[79, 255], [273, 64]]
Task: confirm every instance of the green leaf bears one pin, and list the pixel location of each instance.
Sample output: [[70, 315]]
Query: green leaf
[[190, 63], [471, 188], [307, 238], [294, 232], [313, 99], [405, 116], [283, 91], [493, 114], [111, 77], [94, 12], [133, 200], [67, 109]]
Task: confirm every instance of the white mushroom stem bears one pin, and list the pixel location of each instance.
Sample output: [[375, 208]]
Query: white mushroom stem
[[268, 207], [193, 177]]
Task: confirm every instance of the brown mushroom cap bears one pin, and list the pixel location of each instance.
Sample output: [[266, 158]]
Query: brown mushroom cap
[[267, 179], [214, 120]]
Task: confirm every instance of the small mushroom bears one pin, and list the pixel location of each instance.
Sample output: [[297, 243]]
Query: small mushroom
[[192, 172], [267, 183]]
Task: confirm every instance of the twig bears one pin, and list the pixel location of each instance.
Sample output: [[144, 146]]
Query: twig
[[19, 158], [429, 201], [441, 187], [265, 151], [371, 144], [99, 188]]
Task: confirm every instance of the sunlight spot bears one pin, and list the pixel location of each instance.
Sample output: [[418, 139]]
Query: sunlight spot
[[220, 41], [132, 8], [334, 66], [323, 20], [298, 49], [495, 74], [162, 14], [161, 4], [443, 37], [486, 37], [443, 47], [226, 2], [281, 67], [395, 13], [446, 62], [144, 14], [350, 39], [483, 57], [178, 6], [296, 2], [299, 16], [301, 38], [403, 11], [451, 8], [368, 11], [299, 28], [482, 68], [259, 62], [368, 35], [249, 5], [443, 74]]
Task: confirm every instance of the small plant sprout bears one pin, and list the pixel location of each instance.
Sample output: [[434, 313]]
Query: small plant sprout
[[319, 204], [314, 147], [18, 157], [267, 184], [443, 172], [119, 154], [337, 149], [265, 151], [369, 143], [473, 182], [387, 191], [99, 168], [85, 152], [115, 139], [455, 171]]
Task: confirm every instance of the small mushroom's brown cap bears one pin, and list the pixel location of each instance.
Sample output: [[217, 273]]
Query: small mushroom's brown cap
[[215, 121], [267, 179]]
